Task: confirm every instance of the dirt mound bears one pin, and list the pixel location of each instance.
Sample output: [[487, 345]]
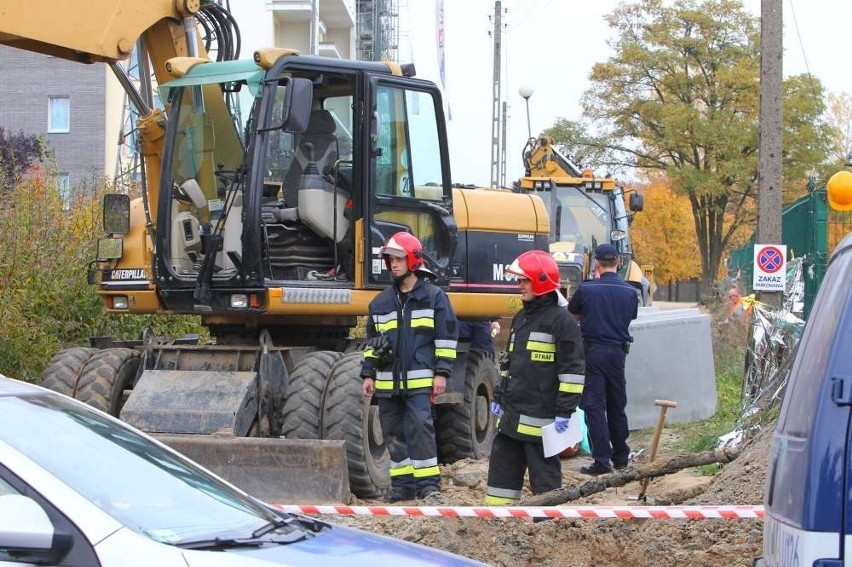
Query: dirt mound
[[576, 543]]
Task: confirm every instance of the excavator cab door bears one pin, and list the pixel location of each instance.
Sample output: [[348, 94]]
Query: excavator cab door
[[410, 187]]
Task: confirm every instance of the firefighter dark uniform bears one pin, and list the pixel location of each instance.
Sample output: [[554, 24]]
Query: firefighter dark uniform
[[606, 306], [421, 330], [541, 381]]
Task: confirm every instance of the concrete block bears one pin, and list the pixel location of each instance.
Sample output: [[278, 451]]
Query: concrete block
[[671, 358]]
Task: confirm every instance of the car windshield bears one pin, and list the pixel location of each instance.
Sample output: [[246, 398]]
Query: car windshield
[[140, 484]]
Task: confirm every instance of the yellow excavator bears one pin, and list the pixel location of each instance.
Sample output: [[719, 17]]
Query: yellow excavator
[[585, 211], [270, 185]]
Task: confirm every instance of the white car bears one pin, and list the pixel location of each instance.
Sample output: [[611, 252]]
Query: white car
[[80, 488]]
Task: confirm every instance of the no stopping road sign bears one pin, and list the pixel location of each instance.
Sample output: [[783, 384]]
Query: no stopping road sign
[[770, 267]]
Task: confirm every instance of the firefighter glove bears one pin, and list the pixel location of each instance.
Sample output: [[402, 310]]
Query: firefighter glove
[[561, 424], [496, 409]]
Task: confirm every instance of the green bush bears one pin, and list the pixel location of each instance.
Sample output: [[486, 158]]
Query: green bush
[[46, 303]]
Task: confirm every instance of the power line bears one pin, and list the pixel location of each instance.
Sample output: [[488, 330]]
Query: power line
[[802, 46], [537, 9]]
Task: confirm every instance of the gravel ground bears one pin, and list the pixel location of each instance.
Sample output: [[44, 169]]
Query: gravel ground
[[593, 542], [587, 542]]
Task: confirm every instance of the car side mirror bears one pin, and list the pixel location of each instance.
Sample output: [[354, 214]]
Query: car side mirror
[[27, 534]]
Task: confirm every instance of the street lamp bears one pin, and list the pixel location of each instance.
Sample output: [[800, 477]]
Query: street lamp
[[526, 91]]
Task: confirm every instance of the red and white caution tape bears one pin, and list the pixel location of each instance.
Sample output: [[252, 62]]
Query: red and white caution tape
[[620, 512]]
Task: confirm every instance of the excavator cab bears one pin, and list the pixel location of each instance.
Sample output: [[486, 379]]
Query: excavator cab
[[268, 226], [261, 201]]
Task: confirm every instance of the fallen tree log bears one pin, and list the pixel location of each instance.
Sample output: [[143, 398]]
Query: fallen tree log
[[620, 478]]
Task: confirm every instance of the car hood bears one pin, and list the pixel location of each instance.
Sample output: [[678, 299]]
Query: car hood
[[340, 546]]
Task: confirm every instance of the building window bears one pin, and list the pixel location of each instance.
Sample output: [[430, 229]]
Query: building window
[[58, 114], [63, 186]]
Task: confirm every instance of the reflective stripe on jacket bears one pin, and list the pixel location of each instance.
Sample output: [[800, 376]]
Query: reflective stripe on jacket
[[423, 333]]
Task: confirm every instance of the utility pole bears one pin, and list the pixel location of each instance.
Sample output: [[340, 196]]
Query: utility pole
[[769, 150], [495, 103], [377, 31], [503, 145]]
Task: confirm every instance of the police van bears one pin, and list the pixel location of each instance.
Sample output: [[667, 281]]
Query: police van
[[808, 499]]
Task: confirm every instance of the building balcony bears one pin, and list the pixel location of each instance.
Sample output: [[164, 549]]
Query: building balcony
[[333, 14]]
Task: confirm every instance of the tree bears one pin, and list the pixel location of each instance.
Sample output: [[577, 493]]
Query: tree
[[680, 95], [18, 152], [839, 118], [662, 234], [575, 139]]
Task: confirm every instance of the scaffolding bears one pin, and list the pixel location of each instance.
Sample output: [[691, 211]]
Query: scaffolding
[[377, 30], [128, 166], [221, 39]]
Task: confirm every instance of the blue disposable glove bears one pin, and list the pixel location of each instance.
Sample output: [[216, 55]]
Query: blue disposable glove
[[561, 424], [496, 409]]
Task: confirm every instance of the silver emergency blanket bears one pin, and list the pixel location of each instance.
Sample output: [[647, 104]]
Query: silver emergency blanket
[[773, 338]]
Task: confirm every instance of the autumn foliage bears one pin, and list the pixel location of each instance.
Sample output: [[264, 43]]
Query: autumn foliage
[[663, 233], [46, 303]]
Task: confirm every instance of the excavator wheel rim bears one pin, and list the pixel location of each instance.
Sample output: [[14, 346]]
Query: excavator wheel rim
[[481, 412], [374, 427]]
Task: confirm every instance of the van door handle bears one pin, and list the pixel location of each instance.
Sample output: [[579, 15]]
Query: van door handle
[[841, 390]]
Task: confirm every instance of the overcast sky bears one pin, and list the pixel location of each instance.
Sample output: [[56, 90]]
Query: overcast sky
[[551, 46]]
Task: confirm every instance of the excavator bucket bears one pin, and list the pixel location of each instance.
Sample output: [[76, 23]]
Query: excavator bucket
[[208, 414], [277, 471]]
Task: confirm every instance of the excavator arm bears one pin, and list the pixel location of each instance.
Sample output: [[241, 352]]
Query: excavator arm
[[92, 31], [542, 159], [106, 31]]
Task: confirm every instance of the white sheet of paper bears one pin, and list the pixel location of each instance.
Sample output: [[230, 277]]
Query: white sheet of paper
[[555, 443]]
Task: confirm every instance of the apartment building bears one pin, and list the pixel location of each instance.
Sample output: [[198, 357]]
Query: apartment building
[[322, 27], [75, 108]]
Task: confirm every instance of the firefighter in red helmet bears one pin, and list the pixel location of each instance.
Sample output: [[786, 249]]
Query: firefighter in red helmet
[[540, 383], [412, 334]]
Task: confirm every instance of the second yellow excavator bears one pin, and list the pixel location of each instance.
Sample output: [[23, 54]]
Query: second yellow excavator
[[585, 211]]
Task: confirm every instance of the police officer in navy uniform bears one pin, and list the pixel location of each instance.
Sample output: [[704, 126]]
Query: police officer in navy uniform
[[540, 384], [605, 307], [413, 335], [481, 335]]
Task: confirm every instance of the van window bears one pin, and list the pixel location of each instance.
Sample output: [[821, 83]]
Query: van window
[[812, 359]]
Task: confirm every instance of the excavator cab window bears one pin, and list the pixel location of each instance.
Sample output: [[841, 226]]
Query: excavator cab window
[[580, 217], [410, 188], [309, 205], [208, 120]]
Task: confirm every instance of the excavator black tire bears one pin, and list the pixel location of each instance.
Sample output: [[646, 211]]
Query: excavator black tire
[[348, 416], [465, 431], [63, 372], [106, 376], [302, 410]]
